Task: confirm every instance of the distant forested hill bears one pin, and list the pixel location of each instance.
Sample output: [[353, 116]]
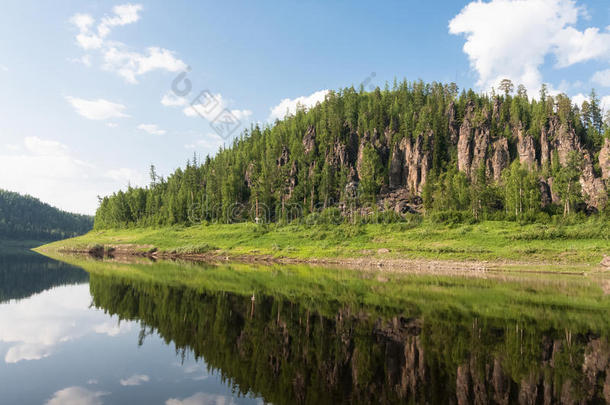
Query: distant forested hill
[[27, 218]]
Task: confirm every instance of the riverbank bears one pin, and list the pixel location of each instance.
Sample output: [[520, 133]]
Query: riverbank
[[486, 245]]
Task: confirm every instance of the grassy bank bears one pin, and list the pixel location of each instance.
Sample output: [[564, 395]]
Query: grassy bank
[[493, 241]]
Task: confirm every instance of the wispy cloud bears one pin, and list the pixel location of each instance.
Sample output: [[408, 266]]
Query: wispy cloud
[[98, 109], [151, 129], [116, 56], [136, 379], [210, 106], [76, 395], [90, 38], [209, 143], [130, 65], [171, 100], [602, 78], [202, 398]]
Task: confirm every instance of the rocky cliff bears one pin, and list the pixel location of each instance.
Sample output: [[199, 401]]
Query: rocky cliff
[[476, 145]]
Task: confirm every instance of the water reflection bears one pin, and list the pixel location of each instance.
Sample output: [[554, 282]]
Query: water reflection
[[286, 352], [30, 273], [55, 348], [183, 333], [34, 328]]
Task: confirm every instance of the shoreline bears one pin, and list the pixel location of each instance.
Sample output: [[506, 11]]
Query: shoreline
[[487, 246], [398, 265]]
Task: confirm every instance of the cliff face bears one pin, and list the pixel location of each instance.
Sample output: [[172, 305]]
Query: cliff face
[[410, 164], [409, 160], [563, 139], [604, 161]]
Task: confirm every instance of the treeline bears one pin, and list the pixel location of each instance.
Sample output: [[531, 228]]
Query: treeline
[[23, 217], [351, 151]]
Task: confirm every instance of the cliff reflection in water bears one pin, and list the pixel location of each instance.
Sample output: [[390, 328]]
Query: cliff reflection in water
[[287, 353]]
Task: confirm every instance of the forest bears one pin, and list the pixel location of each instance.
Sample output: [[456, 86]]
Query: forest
[[411, 148], [23, 217]]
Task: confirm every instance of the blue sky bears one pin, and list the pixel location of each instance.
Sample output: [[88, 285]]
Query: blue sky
[[87, 101]]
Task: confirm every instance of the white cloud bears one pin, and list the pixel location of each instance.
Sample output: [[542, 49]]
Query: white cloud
[[573, 46], [202, 398], [211, 107], [85, 38], [125, 175], [51, 172], [152, 129], [4, 68], [289, 106], [84, 60], [171, 100], [130, 65], [210, 143], [242, 115], [510, 39], [42, 147], [602, 78], [579, 99], [99, 109], [123, 15], [112, 124], [88, 39], [604, 101], [136, 379], [108, 328], [76, 396], [117, 58], [33, 328]]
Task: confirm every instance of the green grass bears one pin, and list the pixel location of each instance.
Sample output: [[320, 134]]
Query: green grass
[[578, 244]]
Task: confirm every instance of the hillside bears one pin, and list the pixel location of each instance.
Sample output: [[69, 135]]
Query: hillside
[[411, 149], [23, 217]]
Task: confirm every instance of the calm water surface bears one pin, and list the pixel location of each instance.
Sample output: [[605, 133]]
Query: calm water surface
[[129, 333]]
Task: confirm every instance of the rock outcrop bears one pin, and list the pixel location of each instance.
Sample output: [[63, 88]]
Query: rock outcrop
[[464, 145], [562, 139], [476, 148], [526, 149], [500, 159], [604, 161], [474, 143], [410, 164], [309, 140]]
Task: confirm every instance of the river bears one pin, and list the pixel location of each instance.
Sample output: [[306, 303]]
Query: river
[[86, 331]]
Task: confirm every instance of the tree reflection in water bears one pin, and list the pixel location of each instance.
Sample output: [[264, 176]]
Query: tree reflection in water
[[285, 352]]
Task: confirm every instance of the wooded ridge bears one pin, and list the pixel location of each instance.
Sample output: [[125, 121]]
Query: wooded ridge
[[414, 148], [23, 217]]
